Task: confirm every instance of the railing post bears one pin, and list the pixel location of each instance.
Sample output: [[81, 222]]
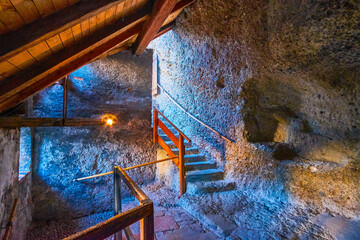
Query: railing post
[[182, 165], [147, 227], [117, 199], [155, 126]]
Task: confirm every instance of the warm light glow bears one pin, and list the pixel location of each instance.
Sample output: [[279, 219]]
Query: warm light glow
[[109, 119], [109, 122]]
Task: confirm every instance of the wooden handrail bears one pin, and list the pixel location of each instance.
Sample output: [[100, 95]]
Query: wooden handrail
[[125, 169], [121, 221], [11, 219], [195, 118], [178, 130], [178, 142], [114, 224]]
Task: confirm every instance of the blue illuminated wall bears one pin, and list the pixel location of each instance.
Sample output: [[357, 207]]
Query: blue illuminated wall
[[118, 85]]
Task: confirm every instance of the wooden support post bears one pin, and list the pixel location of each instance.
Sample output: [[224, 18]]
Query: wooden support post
[[65, 96], [155, 126], [117, 199], [147, 227], [182, 165]]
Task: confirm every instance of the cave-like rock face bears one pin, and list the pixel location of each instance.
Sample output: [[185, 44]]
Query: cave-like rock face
[[119, 85], [282, 79]]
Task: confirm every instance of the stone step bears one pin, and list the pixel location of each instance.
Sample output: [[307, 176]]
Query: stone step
[[195, 158], [210, 187], [204, 175], [190, 150], [172, 145], [191, 166]]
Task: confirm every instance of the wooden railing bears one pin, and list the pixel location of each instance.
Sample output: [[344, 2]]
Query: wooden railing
[[11, 220], [122, 220], [178, 142]]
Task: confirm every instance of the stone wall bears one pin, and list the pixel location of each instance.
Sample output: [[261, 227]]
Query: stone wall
[[11, 187], [118, 85], [281, 79]]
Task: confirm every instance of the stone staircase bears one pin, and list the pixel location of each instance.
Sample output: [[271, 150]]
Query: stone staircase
[[202, 175]]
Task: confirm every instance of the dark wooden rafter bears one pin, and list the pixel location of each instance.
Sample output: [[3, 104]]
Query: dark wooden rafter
[[161, 11], [15, 122], [19, 87], [165, 29], [51, 25]]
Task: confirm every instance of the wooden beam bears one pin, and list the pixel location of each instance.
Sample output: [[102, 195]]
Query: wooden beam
[[165, 29], [15, 122], [42, 29], [19, 87], [25, 84], [114, 224], [161, 10]]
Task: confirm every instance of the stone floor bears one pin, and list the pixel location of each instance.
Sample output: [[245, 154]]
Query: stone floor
[[230, 215], [171, 223]]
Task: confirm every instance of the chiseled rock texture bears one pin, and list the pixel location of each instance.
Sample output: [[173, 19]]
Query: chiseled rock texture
[[118, 85], [11, 187], [281, 79]]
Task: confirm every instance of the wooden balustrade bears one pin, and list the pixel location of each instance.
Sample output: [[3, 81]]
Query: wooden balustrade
[[178, 142], [122, 220]]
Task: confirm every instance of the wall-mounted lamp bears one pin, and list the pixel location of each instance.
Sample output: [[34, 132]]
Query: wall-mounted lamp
[[109, 119]]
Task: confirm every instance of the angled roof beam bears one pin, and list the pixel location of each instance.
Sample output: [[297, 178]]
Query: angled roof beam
[[152, 28], [38, 31], [161, 10], [16, 89]]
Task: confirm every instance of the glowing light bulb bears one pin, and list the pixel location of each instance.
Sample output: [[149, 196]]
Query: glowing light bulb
[[109, 122]]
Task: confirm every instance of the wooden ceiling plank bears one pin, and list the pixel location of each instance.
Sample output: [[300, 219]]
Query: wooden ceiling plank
[[92, 24], [67, 37], [19, 87], [126, 8], [55, 43], [47, 27], [85, 28], [45, 7], [26, 9], [77, 32], [40, 51], [22, 60], [60, 4], [119, 10], [68, 60], [71, 2], [161, 10], [3, 29], [110, 15], [100, 20], [7, 69], [9, 16]]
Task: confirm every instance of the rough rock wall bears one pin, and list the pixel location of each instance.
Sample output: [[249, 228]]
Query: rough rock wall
[[118, 85], [282, 79], [11, 187]]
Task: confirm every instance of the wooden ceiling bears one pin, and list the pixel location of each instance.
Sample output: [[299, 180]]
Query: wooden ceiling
[[44, 40]]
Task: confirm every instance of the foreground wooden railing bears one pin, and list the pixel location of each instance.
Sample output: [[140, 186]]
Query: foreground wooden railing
[[122, 220], [178, 142], [11, 220]]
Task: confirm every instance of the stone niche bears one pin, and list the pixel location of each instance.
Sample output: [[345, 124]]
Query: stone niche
[[119, 85]]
